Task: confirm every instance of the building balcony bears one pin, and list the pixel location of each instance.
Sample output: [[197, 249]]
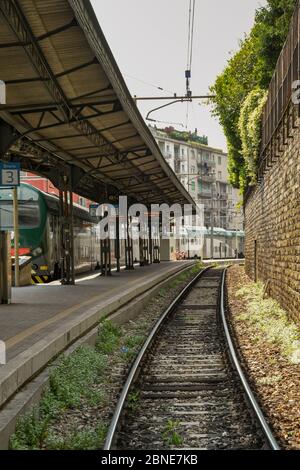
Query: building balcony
[[209, 178], [206, 165], [204, 195], [222, 196]]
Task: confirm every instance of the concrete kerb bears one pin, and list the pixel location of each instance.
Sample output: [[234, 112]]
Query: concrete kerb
[[29, 363]]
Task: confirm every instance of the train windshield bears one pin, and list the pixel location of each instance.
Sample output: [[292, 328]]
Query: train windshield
[[29, 210]]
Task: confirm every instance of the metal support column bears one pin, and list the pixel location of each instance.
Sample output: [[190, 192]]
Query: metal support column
[[145, 244], [67, 231], [156, 243], [129, 246], [150, 241], [117, 245], [105, 258], [141, 250], [5, 268], [105, 247]]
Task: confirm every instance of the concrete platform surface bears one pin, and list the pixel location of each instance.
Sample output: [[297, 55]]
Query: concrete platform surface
[[38, 309], [44, 319]]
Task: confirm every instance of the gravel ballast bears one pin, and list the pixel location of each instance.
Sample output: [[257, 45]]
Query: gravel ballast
[[268, 344]]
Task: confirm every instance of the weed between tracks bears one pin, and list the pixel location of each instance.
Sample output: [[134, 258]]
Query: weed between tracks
[[171, 435], [75, 410]]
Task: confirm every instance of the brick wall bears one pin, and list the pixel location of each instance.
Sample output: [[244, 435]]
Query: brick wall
[[272, 218]]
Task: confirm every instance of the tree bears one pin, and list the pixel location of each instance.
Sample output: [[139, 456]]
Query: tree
[[250, 68]]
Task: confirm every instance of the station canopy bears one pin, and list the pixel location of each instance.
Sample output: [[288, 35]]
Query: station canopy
[[68, 107]]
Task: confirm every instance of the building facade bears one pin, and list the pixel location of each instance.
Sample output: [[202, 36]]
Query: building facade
[[45, 185], [203, 172]]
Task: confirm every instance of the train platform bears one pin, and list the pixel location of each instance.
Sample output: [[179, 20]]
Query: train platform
[[44, 319]]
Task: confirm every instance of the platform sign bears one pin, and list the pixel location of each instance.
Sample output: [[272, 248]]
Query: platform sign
[[10, 175]]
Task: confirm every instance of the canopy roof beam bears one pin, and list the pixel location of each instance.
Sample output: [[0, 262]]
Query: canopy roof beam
[[61, 29]]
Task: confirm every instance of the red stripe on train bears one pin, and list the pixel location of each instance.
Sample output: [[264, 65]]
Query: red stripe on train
[[22, 251]]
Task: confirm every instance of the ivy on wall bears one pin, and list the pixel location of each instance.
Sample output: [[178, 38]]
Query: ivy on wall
[[249, 127]]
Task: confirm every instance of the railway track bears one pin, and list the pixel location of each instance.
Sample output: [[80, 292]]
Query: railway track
[[186, 389]]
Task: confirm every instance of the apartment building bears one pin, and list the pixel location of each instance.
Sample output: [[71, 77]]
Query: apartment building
[[203, 171]]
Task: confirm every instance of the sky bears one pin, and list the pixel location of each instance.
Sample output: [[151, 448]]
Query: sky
[[149, 39]]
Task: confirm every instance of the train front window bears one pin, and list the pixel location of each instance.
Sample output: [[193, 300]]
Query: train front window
[[29, 215]]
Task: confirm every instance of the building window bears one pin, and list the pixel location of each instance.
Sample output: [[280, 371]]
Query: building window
[[219, 175], [193, 170], [220, 160], [161, 146], [193, 186]]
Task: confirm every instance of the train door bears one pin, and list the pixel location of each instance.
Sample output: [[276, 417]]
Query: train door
[[55, 235]]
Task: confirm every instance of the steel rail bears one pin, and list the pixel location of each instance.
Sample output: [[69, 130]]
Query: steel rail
[[110, 438], [134, 369], [256, 408]]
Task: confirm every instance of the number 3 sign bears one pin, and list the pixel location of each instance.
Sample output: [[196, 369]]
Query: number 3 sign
[[10, 174]]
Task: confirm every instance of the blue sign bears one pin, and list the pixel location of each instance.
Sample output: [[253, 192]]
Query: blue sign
[[9, 174]]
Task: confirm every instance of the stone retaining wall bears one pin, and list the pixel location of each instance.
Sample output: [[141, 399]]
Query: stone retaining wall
[[272, 218]]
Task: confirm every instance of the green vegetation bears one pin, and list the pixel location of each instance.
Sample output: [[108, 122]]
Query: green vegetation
[[270, 380], [271, 321], [87, 439], [171, 435], [69, 384], [250, 130], [109, 338], [239, 89], [133, 400], [190, 137]]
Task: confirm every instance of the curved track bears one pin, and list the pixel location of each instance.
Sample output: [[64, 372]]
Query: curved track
[[186, 389]]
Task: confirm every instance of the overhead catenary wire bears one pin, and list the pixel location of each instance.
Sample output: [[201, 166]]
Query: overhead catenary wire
[[188, 73], [189, 37], [147, 83], [191, 26]]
